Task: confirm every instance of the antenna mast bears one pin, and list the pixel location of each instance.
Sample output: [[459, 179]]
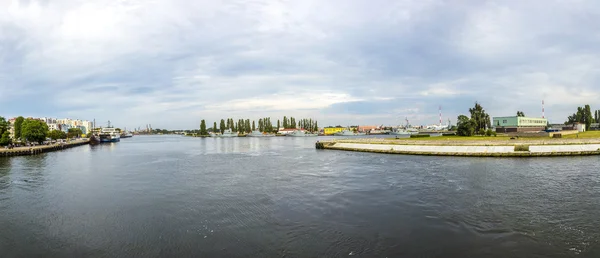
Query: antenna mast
[[543, 111], [440, 115]]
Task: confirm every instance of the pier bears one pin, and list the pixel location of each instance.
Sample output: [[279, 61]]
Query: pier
[[525, 148], [35, 150]]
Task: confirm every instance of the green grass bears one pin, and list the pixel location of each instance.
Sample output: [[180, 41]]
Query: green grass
[[459, 138], [584, 135]]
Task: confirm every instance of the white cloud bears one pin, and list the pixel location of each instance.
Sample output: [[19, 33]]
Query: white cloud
[[172, 63]]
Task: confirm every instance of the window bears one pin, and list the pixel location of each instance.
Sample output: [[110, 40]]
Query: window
[[504, 121]]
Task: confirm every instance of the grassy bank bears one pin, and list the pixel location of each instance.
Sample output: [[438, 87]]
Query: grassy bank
[[584, 135], [457, 138]]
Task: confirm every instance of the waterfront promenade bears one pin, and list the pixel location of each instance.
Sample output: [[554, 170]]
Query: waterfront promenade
[[34, 150], [476, 148]]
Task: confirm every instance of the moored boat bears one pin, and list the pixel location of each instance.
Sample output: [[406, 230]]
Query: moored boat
[[257, 133], [126, 135], [229, 133], [109, 134], [406, 131], [349, 133], [300, 133]]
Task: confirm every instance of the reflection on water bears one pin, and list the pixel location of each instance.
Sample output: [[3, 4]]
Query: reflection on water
[[171, 196]]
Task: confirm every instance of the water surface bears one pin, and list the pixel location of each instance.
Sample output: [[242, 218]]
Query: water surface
[[172, 196]]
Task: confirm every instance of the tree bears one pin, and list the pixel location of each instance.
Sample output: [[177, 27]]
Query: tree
[[520, 113], [480, 118], [293, 123], [3, 125], [215, 127], [203, 127], [247, 126], [74, 132], [316, 127], [18, 125], [222, 126], [583, 115], [57, 134], [34, 130], [587, 118], [465, 126], [5, 138], [285, 122], [253, 126], [278, 125]]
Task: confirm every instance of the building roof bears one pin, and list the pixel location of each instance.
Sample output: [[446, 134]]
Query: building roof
[[527, 117]]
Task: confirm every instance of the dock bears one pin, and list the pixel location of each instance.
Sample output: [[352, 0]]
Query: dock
[[35, 150], [528, 148]]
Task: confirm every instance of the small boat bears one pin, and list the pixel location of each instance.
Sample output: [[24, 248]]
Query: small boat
[[211, 134], [300, 133], [349, 133], [127, 135], [229, 133], [109, 134]]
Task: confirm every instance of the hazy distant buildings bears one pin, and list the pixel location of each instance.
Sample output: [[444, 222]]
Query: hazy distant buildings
[[57, 124]]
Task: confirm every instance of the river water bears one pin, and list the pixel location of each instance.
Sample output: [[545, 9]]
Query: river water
[[173, 196]]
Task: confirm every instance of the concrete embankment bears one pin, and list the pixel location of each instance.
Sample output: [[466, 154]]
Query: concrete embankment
[[460, 149], [23, 151]]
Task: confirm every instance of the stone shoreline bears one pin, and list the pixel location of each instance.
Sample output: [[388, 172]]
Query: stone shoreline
[[575, 147]]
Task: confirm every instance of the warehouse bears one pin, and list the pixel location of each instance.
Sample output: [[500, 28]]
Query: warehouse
[[517, 124]]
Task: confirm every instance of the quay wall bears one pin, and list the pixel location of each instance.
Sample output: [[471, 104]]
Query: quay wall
[[24, 151], [474, 151]]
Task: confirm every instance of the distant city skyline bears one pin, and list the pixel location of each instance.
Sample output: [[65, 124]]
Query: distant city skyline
[[173, 63]]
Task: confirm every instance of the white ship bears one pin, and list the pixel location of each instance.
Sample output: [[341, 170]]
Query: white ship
[[229, 133], [109, 134]]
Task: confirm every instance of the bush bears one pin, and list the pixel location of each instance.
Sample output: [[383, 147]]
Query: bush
[[481, 131], [494, 134], [521, 147], [419, 135], [488, 132]]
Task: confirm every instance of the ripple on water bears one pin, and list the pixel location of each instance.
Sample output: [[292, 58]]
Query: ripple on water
[[186, 197]]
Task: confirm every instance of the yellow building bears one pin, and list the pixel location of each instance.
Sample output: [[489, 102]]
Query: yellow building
[[332, 130]]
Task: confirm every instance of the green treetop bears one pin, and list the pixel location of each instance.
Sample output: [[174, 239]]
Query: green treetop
[[203, 127], [57, 134], [222, 126], [34, 130], [18, 125]]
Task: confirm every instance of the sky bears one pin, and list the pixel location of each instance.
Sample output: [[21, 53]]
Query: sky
[[171, 63]]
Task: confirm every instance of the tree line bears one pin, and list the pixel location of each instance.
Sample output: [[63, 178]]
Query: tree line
[[264, 125], [585, 116]]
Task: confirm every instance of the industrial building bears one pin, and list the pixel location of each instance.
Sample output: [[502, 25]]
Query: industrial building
[[332, 130], [517, 124]]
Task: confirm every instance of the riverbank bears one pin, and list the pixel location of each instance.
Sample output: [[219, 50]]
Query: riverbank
[[35, 150], [475, 148]]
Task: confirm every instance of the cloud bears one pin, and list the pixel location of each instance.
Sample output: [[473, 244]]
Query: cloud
[[172, 63]]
